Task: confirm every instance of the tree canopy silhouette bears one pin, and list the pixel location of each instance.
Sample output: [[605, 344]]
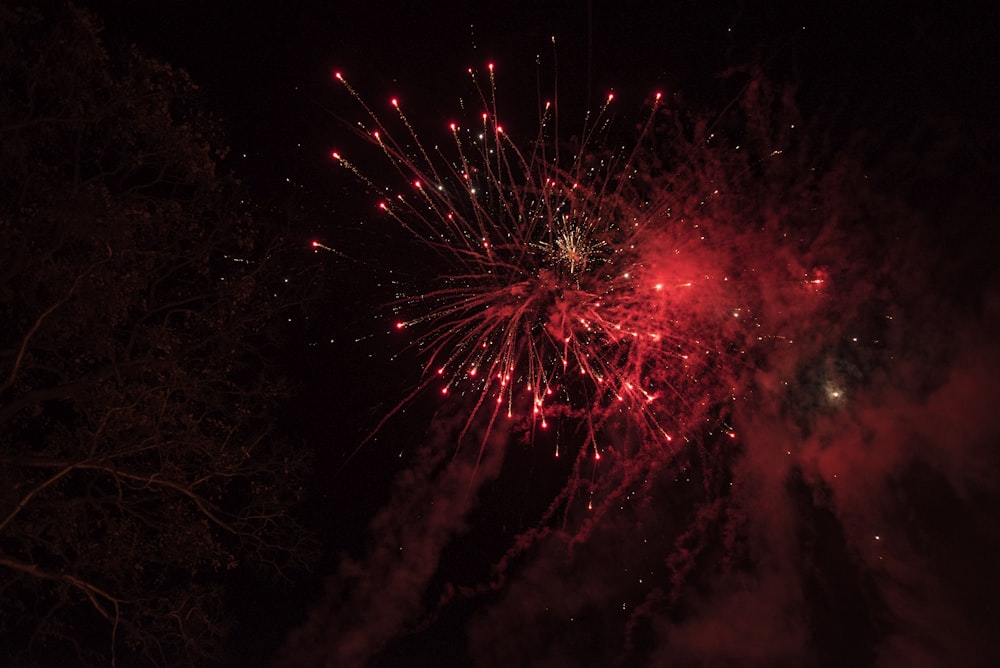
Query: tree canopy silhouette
[[139, 296]]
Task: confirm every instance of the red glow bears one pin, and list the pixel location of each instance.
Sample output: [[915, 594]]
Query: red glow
[[558, 279]]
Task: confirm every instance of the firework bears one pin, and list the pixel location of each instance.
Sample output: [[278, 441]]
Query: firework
[[635, 303], [571, 284]]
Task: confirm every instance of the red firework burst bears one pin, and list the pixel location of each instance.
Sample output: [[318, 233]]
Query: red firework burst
[[572, 282]]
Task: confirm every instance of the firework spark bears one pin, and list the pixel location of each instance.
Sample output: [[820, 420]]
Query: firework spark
[[569, 285]]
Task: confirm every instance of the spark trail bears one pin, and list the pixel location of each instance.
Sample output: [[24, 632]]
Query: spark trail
[[573, 284]]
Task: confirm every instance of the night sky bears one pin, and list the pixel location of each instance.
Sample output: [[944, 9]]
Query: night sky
[[858, 525]]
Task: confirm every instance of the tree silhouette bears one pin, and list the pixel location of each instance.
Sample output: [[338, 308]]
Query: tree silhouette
[[138, 302]]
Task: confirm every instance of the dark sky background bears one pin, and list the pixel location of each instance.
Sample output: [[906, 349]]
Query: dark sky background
[[920, 442]]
